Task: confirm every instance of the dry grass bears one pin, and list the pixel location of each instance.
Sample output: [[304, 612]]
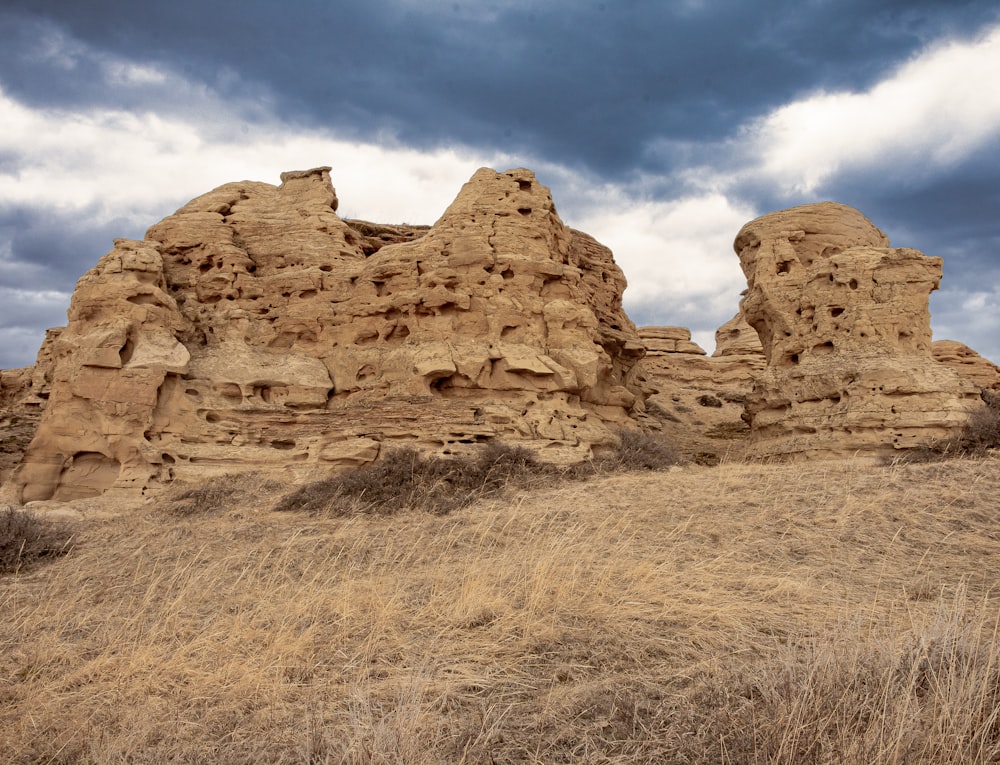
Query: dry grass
[[826, 613]]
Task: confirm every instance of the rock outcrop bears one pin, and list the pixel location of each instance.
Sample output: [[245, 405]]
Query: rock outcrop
[[967, 364], [255, 329], [696, 400], [844, 325]]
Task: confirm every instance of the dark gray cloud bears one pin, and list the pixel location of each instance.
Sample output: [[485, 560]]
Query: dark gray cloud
[[46, 247], [588, 84]]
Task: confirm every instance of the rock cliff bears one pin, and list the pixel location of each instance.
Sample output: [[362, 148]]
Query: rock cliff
[[255, 329], [844, 326]]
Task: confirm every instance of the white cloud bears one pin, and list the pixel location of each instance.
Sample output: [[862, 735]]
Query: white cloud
[[672, 250], [935, 110]]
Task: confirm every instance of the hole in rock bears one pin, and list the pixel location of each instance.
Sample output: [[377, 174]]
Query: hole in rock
[[167, 459], [836, 311], [783, 267], [853, 284], [524, 185], [231, 392], [127, 350], [282, 443], [524, 210], [143, 300]]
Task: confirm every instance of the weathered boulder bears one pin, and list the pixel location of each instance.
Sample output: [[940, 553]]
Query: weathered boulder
[[255, 329], [844, 324]]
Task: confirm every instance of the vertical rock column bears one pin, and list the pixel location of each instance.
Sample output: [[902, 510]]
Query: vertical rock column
[[845, 327]]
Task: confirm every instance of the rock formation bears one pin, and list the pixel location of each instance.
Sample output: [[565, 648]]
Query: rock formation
[[967, 364], [255, 329], [696, 400], [844, 323]]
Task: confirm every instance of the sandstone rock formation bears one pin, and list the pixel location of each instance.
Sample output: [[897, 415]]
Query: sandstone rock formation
[[24, 394], [967, 364], [845, 328], [696, 400], [737, 338], [255, 329]]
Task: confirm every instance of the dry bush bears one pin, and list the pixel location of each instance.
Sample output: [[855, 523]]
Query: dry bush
[[983, 431], [221, 494], [25, 539], [405, 479], [639, 450]]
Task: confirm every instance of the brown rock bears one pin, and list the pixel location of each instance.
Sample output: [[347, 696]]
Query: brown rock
[[696, 400], [845, 328], [663, 340], [737, 338], [255, 329], [967, 364], [24, 394]]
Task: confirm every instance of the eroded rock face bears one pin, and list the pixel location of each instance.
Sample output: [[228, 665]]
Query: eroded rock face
[[967, 364], [696, 400], [844, 324], [255, 329]]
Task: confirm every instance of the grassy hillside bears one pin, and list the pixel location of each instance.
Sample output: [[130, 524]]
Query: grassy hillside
[[826, 613]]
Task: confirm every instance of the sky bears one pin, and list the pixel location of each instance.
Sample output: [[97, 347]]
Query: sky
[[661, 127]]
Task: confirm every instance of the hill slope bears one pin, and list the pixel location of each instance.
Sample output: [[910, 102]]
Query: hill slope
[[820, 613]]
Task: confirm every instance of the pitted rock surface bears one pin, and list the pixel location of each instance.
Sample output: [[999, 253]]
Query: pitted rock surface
[[256, 330], [844, 323]]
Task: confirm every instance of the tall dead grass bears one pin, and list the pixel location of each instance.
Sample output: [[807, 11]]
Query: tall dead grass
[[826, 613]]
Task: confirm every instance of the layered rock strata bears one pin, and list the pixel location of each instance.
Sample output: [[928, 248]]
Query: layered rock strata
[[844, 325], [255, 329]]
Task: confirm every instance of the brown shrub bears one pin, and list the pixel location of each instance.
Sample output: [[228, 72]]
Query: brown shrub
[[404, 478], [639, 450], [220, 494], [26, 539], [980, 434]]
